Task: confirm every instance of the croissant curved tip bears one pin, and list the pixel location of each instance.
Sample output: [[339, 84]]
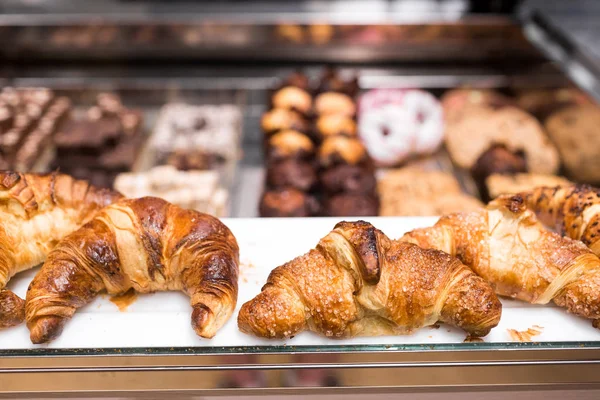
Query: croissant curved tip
[[202, 321], [12, 309], [44, 329]]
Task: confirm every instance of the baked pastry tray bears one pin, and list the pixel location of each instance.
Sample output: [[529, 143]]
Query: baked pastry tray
[[162, 320]]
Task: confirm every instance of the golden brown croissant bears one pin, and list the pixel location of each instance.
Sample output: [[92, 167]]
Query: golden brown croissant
[[573, 211], [359, 282], [146, 244], [36, 211], [506, 245]]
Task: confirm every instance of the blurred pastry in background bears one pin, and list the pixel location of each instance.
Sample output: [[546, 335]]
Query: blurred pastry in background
[[337, 150], [542, 103], [103, 143], [332, 81], [414, 192], [335, 124], [351, 205], [297, 79], [468, 138], [290, 161], [346, 178], [416, 182], [576, 132], [212, 132], [320, 34], [293, 173], [290, 33], [288, 202], [398, 124], [197, 190], [292, 98], [499, 184], [458, 101], [279, 119], [289, 144], [328, 103], [498, 159], [29, 119]]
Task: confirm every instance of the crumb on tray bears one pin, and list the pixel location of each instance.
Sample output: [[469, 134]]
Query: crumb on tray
[[527, 335]]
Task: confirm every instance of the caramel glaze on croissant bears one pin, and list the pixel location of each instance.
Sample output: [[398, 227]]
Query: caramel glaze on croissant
[[146, 244], [359, 282], [573, 211], [36, 211], [506, 245]]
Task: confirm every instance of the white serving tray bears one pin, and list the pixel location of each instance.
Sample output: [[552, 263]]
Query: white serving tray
[[163, 319]]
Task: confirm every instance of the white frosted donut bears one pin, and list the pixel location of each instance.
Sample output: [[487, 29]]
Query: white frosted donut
[[395, 124]]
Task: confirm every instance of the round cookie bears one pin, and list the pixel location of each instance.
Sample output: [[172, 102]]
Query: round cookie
[[576, 132], [481, 127]]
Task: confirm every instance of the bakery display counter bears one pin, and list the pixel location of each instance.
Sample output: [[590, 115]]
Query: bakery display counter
[[149, 347], [145, 344], [232, 111]]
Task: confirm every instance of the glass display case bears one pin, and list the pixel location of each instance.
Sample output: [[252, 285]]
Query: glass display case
[[234, 53]]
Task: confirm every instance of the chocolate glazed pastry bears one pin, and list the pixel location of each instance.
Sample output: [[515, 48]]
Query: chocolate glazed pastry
[[36, 211], [349, 179], [358, 282], [291, 173], [349, 204], [288, 202], [498, 159], [143, 244]]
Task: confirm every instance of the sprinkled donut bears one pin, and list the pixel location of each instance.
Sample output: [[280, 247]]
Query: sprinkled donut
[[396, 124]]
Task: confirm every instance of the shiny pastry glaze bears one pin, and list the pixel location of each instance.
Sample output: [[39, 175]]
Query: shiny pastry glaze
[[143, 244], [36, 211], [358, 282]]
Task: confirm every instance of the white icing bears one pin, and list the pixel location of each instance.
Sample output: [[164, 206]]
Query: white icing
[[399, 112]]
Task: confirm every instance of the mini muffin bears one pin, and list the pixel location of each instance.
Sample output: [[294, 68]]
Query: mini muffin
[[279, 119], [289, 144], [351, 205], [287, 203], [335, 124], [348, 179], [341, 150], [334, 103], [292, 98], [292, 173]]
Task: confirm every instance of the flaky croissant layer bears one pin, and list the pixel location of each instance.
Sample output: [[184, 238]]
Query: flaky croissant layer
[[358, 282], [507, 246], [36, 211], [146, 244], [573, 211]]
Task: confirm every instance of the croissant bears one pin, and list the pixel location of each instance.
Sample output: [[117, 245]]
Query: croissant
[[36, 211], [573, 211], [506, 245], [146, 244], [359, 282]]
